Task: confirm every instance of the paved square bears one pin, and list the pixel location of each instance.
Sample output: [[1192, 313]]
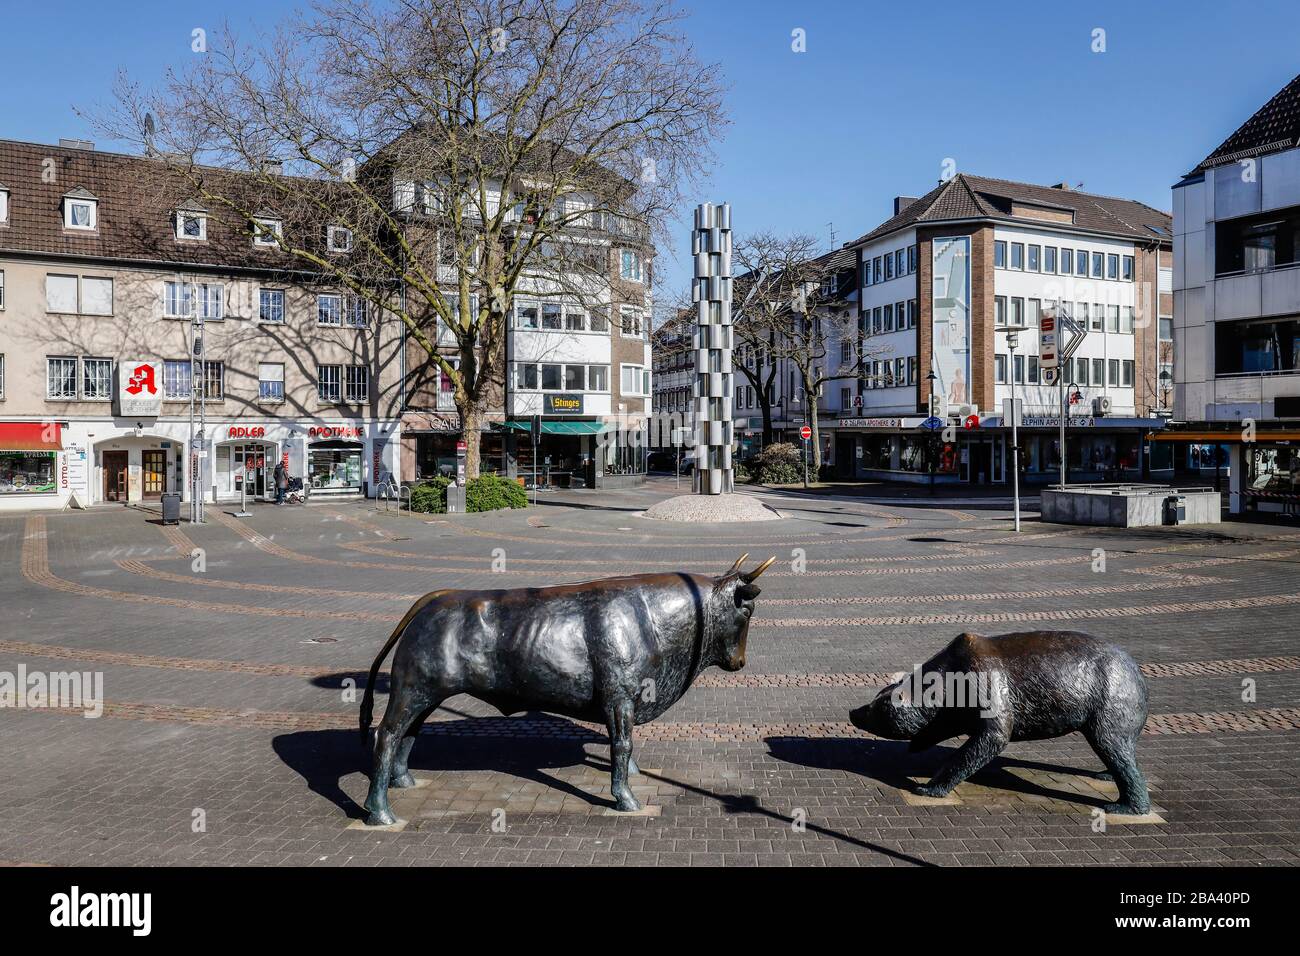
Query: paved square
[[233, 655]]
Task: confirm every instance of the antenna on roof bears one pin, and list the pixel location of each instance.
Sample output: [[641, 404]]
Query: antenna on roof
[[832, 228], [148, 133]]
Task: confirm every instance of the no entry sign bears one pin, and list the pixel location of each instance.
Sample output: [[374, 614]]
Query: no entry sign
[[805, 433]]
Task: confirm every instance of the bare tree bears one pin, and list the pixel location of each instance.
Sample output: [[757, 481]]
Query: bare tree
[[471, 149], [792, 310]]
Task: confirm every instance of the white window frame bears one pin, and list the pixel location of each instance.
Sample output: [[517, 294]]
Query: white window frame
[[76, 293], [267, 232], [636, 261], [205, 295], [4, 205], [81, 294], [331, 238], [187, 367], [263, 381], [69, 203], [86, 392], [49, 381], [185, 301], [356, 384], [337, 383], [638, 379], [262, 295], [2, 290], [336, 310], [182, 217]]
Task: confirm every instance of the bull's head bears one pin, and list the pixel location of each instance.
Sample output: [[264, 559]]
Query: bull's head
[[733, 597]]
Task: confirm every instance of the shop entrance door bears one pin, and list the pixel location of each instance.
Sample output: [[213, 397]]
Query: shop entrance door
[[981, 462], [115, 480], [154, 468], [250, 465]]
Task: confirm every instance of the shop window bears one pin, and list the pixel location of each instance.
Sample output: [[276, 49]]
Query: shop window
[[27, 472]]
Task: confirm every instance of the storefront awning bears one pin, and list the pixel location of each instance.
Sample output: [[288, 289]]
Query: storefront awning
[[560, 427], [1229, 438], [31, 436]]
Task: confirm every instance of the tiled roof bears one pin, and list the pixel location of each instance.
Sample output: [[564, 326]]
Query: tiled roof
[[1275, 126], [978, 197], [137, 197]]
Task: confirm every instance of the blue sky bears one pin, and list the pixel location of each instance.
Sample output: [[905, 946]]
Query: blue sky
[[884, 93]]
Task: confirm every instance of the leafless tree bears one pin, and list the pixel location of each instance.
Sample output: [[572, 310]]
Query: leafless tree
[[790, 309], [472, 149]]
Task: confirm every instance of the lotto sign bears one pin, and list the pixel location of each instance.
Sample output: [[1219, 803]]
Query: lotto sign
[[139, 393], [1048, 347], [805, 433]]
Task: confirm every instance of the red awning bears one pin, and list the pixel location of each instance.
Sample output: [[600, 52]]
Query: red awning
[[31, 436]]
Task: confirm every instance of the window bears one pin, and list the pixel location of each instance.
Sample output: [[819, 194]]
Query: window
[[1098, 317], [1112, 367], [1033, 308], [889, 318], [912, 367], [877, 322], [1128, 269], [1018, 369], [61, 378], [1256, 346], [846, 399], [630, 320], [1035, 256], [900, 262], [214, 381], [1017, 255], [1000, 369], [1112, 266], [599, 319], [1112, 318], [1256, 243], [879, 269], [1098, 262], [1127, 371], [192, 226], [1081, 263], [526, 377], [1033, 369], [1080, 371], [633, 380], [1166, 328], [598, 378], [271, 305], [176, 380], [1017, 313], [96, 295], [1126, 319], [911, 313], [551, 377], [526, 315], [211, 301], [270, 381], [1000, 310], [357, 384], [889, 267], [911, 259], [575, 319], [329, 309], [1049, 259], [329, 382], [1098, 371], [900, 370], [1000, 253], [575, 378], [177, 299], [267, 232], [866, 273], [552, 317], [630, 268], [338, 239], [1067, 261], [2, 288], [80, 213], [61, 294], [4, 205], [355, 312], [96, 379], [845, 352]]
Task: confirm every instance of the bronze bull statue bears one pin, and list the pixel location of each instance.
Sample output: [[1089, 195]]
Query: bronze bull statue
[[618, 651]]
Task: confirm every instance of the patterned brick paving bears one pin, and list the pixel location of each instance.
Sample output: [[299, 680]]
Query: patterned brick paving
[[224, 705]]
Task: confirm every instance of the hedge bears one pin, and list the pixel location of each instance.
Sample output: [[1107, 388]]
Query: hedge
[[492, 493]]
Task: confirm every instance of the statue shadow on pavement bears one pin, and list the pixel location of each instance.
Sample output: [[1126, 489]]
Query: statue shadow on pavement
[[889, 762]]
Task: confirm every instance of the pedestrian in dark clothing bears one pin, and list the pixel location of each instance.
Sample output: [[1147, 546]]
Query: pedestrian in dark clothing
[[281, 481]]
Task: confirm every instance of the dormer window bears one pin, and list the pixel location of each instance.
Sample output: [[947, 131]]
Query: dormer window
[[267, 231], [192, 223], [80, 211], [4, 206], [339, 239]]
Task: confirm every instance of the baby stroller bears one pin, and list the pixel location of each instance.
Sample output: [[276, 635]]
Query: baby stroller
[[295, 493]]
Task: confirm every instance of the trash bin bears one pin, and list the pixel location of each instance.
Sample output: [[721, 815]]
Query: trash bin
[[171, 508], [1176, 509], [455, 499]]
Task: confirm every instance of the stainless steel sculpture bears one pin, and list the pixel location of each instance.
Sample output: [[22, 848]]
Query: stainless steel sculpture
[[619, 652], [711, 292]]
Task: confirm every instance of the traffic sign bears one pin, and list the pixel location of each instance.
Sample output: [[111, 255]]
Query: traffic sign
[[933, 423], [805, 433], [1047, 341], [972, 421]]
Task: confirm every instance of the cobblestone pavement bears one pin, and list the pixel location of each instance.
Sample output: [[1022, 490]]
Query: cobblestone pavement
[[231, 654]]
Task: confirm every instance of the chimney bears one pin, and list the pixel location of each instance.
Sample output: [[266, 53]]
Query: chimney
[[274, 167], [902, 202], [77, 144]]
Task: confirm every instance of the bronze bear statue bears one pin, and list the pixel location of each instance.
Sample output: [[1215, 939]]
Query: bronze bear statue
[[1034, 685]]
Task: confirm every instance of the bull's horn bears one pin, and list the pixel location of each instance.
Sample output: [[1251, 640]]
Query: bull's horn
[[750, 576], [736, 567]]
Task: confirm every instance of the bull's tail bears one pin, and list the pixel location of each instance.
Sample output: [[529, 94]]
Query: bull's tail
[[368, 699]]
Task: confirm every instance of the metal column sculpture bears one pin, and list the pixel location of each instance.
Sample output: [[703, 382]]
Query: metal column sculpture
[[711, 291]]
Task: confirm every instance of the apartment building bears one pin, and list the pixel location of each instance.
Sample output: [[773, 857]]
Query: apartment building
[[1236, 282], [104, 277], [939, 284]]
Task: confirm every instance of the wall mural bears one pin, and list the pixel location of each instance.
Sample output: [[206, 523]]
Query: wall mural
[[950, 319]]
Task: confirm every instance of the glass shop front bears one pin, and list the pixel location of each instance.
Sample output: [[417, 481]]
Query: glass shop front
[[334, 466]]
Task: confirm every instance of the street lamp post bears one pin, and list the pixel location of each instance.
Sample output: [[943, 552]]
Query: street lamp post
[[1013, 340]]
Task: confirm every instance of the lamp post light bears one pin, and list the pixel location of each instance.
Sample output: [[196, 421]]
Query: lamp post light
[[933, 456], [1013, 342]]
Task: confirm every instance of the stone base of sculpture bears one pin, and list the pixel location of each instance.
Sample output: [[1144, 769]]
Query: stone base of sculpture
[[710, 509]]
